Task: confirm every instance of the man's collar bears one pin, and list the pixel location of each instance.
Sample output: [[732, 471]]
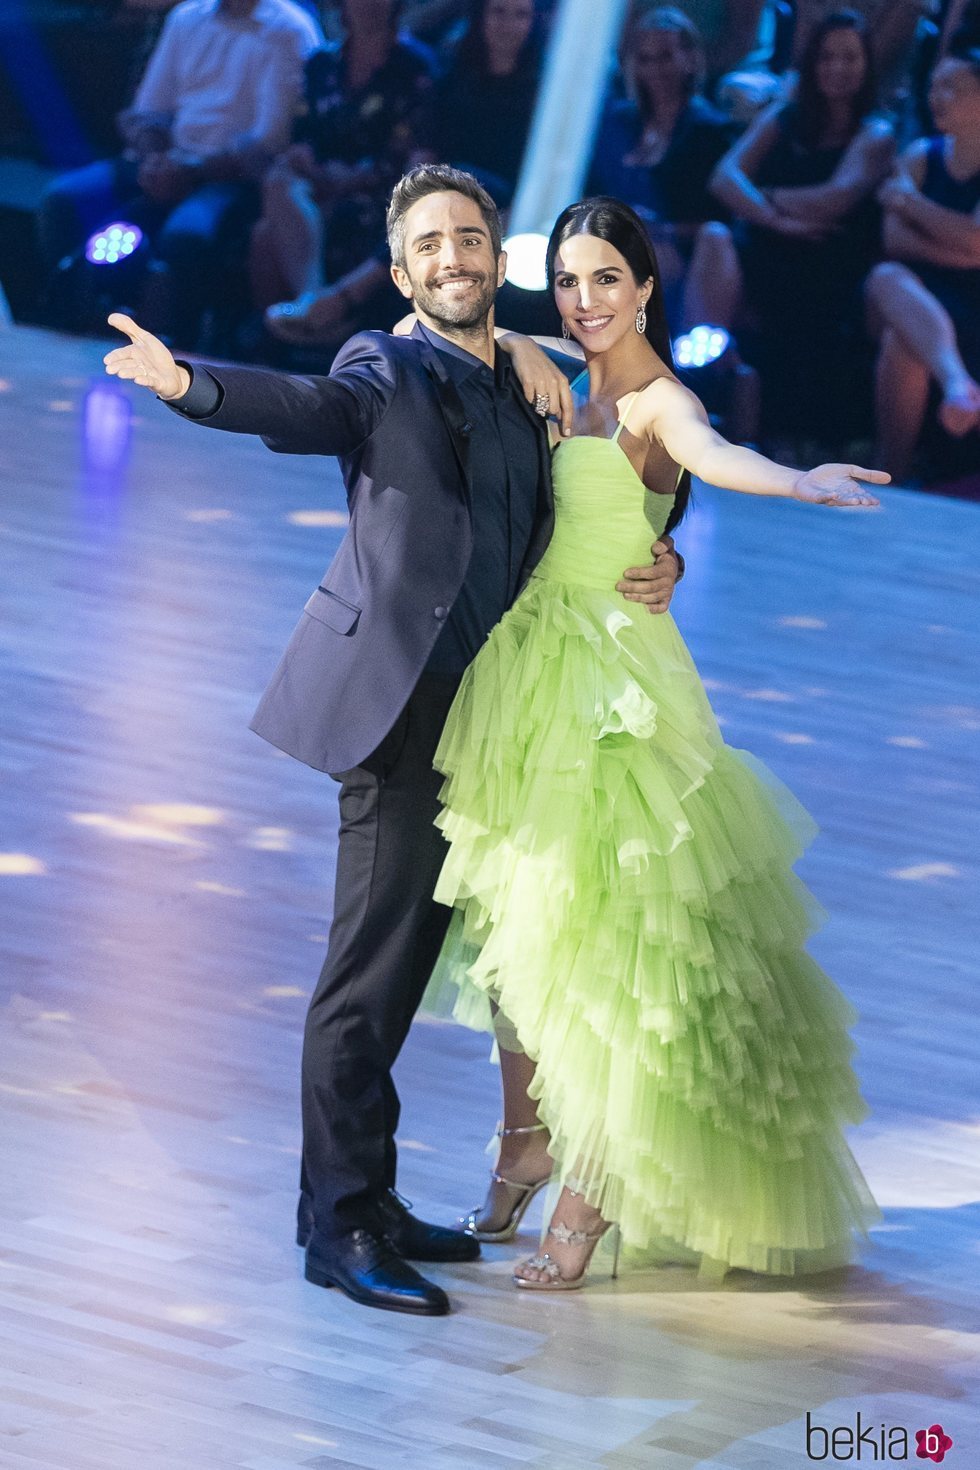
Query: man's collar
[[464, 363]]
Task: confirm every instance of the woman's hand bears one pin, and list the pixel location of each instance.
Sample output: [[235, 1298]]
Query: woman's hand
[[545, 386], [838, 484], [404, 327], [145, 361], [896, 192]]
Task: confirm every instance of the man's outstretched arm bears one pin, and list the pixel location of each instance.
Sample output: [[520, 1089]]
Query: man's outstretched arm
[[293, 415]]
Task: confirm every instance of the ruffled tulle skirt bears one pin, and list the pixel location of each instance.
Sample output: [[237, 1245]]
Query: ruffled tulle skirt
[[623, 890]]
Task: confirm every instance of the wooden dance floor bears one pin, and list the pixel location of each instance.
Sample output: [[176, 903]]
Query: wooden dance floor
[[166, 878]]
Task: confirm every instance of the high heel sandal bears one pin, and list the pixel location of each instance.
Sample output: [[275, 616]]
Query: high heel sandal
[[523, 1194], [544, 1261]]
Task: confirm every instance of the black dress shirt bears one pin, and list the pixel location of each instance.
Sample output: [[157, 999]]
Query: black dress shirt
[[503, 498], [503, 491]]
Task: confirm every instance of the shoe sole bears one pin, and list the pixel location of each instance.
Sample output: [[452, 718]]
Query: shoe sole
[[419, 1309]]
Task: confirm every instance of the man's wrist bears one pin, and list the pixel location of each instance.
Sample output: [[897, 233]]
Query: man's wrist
[[184, 380]]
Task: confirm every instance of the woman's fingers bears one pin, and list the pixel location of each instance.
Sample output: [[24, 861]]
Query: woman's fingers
[[874, 477]]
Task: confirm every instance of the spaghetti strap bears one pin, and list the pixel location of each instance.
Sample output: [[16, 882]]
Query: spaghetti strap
[[621, 425]]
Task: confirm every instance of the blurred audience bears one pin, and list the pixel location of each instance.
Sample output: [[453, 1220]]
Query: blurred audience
[[729, 30], [658, 147], [749, 134], [215, 105], [893, 24], [801, 183], [318, 256], [925, 301], [486, 101]]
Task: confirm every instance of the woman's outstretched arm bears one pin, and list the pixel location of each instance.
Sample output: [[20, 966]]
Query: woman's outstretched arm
[[677, 419]]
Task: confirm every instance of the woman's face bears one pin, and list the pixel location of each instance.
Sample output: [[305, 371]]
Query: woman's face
[[661, 61], [841, 66], [596, 292], [954, 97], [507, 24]]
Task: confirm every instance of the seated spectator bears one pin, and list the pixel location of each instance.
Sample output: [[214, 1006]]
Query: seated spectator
[[894, 24], [658, 147], [318, 257], [486, 102], [925, 301], [728, 30], [216, 103], [801, 183]]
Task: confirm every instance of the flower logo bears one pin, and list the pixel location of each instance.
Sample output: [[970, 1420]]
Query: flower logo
[[933, 1443]]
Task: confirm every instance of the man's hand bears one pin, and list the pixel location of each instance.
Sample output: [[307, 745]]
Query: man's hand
[[145, 361], [545, 386], [653, 585], [166, 179]]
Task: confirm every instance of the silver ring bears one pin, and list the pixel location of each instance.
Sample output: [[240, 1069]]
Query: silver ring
[[542, 403]]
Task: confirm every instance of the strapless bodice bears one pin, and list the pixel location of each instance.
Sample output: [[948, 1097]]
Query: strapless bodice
[[605, 518]]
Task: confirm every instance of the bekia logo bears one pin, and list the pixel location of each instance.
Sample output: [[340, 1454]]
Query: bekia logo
[[874, 1443], [933, 1443]]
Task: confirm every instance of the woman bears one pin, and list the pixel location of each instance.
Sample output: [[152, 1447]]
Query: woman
[[621, 878], [801, 182], [658, 147], [485, 105], [324, 203], [925, 302]]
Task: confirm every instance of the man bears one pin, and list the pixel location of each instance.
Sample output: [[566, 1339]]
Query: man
[[215, 105], [447, 472]]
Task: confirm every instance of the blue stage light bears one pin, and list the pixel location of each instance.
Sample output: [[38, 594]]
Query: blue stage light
[[113, 243], [700, 346]]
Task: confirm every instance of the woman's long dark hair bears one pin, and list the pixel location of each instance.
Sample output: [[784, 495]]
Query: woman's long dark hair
[[811, 105], [613, 221], [471, 55]]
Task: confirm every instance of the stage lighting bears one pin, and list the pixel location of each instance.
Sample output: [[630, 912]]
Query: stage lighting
[[113, 243], [701, 346], [526, 261]]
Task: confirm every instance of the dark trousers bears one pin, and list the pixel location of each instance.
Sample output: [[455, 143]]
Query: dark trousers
[[195, 242], [384, 939]]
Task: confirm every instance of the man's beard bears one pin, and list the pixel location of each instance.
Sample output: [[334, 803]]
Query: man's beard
[[464, 314]]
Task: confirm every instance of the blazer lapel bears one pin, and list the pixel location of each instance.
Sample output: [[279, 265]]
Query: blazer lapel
[[451, 406]]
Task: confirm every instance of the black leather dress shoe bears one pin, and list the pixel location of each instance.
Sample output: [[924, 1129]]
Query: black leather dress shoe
[[414, 1239], [417, 1239], [366, 1268]]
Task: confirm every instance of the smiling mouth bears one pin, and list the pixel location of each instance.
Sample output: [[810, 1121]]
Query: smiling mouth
[[592, 323], [457, 282]]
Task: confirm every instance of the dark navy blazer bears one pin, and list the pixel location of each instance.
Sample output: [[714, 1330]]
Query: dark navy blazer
[[367, 630]]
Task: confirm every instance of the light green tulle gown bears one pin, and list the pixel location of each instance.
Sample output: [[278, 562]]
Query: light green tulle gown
[[623, 890]]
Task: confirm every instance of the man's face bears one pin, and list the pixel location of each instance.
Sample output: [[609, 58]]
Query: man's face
[[450, 272]]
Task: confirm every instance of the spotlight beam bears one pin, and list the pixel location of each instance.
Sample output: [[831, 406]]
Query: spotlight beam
[[581, 52]]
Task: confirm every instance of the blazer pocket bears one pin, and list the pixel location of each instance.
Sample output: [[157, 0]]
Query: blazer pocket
[[328, 608]]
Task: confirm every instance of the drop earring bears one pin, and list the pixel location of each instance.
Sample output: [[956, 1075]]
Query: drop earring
[[641, 318], [564, 330]]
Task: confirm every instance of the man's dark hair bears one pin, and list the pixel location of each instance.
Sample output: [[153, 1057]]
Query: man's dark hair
[[436, 178]]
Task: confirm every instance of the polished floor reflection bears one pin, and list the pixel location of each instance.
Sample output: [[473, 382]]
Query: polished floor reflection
[[165, 885]]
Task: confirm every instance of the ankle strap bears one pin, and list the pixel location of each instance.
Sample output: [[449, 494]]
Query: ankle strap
[[502, 1132]]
